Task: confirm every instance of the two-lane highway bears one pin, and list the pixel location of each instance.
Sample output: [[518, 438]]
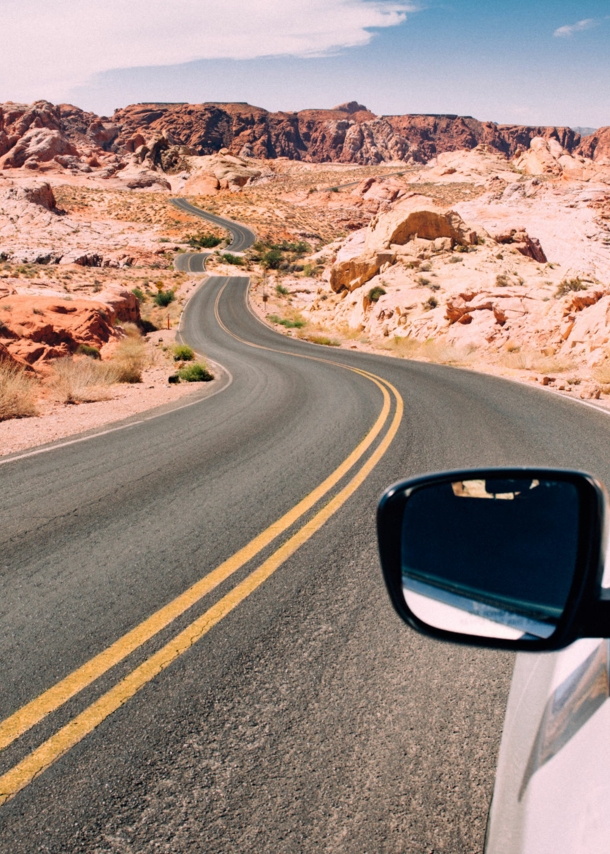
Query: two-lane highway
[[242, 237], [197, 650]]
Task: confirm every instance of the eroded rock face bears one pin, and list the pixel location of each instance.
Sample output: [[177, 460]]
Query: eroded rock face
[[597, 146], [348, 133], [42, 133], [415, 227], [34, 329]]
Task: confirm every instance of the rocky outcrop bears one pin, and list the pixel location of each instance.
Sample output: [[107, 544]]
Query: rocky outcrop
[[32, 135], [222, 171], [526, 245], [597, 146], [416, 227], [348, 133], [34, 329]]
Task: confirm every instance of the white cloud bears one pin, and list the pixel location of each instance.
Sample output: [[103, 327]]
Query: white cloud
[[48, 48], [578, 27]]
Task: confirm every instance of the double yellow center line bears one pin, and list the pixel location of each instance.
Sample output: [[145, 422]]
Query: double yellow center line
[[82, 724]]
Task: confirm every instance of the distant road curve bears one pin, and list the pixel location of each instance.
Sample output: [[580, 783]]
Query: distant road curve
[[194, 262]]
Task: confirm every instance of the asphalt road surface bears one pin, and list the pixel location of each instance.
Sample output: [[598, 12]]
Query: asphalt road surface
[[225, 681], [242, 238]]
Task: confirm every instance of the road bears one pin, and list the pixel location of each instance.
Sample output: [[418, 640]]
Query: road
[[229, 679], [242, 237]]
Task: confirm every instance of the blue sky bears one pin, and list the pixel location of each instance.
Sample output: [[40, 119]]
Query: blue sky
[[523, 62]]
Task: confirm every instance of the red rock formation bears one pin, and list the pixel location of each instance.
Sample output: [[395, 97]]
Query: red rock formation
[[72, 138], [39, 328], [348, 133], [596, 146]]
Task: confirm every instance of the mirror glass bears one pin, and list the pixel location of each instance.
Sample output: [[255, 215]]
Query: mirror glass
[[493, 558]]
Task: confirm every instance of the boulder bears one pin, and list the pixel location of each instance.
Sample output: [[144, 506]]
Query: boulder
[[202, 184], [419, 223], [351, 274], [417, 217], [39, 328], [38, 145], [523, 243]]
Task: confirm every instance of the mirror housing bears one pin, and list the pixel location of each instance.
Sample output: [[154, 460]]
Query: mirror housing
[[507, 558]]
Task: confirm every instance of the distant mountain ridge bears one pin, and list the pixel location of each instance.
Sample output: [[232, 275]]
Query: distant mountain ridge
[[33, 134]]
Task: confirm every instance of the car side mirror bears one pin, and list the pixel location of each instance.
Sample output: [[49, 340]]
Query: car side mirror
[[504, 558]]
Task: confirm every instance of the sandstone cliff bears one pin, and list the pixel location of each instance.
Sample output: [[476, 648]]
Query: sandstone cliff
[[143, 139]]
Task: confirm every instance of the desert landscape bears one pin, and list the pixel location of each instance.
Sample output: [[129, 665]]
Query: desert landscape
[[438, 238]]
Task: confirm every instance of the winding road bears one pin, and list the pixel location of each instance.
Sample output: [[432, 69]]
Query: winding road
[[198, 654], [242, 237]]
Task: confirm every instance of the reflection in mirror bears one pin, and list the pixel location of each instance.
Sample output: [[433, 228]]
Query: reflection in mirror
[[492, 558]]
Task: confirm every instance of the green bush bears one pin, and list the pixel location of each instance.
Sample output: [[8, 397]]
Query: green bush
[[376, 293], [195, 373], [164, 298], [272, 259], [203, 241], [297, 323], [183, 353], [569, 285], [89, 350], [281, 290], [228, 258], [138, 294]]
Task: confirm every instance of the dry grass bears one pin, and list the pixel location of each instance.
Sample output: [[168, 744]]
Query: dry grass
[[602, 374], [81, 380], [533, 360], [130, 357], [431, 351], [17, 393]]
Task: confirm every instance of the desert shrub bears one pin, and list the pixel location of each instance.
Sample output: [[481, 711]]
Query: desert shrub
[[281, 290], [129, 360], [323, 339], [430, 303], [568, 285], [89, 350], [533, 360], [203, 241], [139, 294], [602, 374], [502, 280], [164, 298], [195, 373], [17, 393], [131, 330], [228, 258], [272, 259], [183, 353], [334, 189], [81, 380], [294, 323], [423, 282], [376, 293], [431, 350]]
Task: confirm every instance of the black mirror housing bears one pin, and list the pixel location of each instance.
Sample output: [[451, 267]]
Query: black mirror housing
[[507, 558]]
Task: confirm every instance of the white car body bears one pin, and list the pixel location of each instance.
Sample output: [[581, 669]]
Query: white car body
[[553, 780]]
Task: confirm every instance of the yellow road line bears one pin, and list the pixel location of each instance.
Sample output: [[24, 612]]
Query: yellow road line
[[36, 762], [34, 711]]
